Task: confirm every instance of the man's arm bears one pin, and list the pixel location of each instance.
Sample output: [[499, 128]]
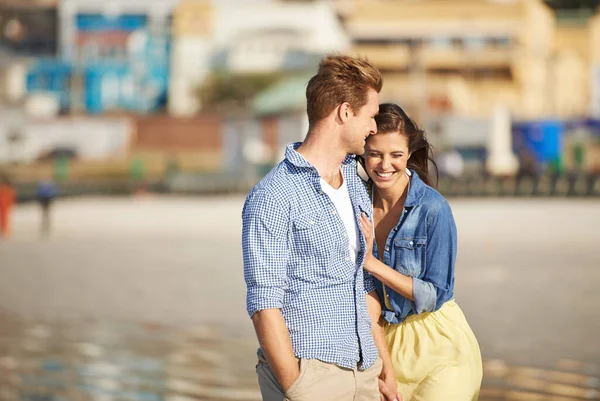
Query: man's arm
[[264, 245], [276, 344], [387, 385]]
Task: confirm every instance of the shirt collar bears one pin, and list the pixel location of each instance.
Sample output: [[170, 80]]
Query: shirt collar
[[295, 158]]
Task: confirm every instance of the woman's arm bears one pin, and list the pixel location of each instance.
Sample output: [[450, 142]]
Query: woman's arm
[[428, 292], [431, 291], [400, 283]]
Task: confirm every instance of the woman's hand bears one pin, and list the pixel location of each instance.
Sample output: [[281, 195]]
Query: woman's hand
[[367, 230]]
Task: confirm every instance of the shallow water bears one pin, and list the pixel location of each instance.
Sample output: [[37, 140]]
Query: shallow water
[[98, 361]]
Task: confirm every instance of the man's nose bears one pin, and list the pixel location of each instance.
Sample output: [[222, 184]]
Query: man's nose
[[373, 128]]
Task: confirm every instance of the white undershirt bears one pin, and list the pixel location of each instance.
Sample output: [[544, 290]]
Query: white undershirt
[[341, 199]]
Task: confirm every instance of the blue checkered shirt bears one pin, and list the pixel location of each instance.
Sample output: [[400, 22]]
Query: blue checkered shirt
[[297, 259]]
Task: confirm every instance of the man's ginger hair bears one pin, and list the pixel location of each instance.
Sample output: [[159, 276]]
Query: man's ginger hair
[[340, 79]]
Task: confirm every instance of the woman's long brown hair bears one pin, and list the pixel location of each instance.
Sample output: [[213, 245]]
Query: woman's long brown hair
[[392, 119]]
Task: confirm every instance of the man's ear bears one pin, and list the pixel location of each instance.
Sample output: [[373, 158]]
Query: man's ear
[[344, 112]]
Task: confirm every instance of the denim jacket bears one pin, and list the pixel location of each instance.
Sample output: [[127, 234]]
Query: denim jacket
[[423, 246]]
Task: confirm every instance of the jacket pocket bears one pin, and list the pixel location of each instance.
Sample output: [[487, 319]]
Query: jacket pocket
[[410, 255]]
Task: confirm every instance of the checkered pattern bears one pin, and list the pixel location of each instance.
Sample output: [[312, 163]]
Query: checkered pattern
[[297, 259]]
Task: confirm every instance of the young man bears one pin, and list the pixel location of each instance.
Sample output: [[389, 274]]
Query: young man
[[308, 296]]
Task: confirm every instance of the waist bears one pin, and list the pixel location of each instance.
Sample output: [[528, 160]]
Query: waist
[[402, 307], [344, 357], [414, 317], [336, 334]]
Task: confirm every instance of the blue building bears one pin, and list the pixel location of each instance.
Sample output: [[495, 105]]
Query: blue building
[[117, 51]]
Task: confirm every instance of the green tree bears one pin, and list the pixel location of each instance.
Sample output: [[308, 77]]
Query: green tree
[[231, 93], [572, 4]]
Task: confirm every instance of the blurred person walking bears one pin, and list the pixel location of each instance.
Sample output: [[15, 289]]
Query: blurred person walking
[[434, 351], [46, 193], [309, 298], [8, 197]]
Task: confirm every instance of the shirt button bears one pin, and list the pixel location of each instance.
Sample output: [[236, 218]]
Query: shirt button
[[333, 212], [312, 222]]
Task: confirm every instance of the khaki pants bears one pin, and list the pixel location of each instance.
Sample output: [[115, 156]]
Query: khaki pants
[[320, 381]]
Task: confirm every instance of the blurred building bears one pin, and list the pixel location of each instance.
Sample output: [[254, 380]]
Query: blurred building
[[463, 56], [27, 28], [246, 38], [193, 23], [109, 56], [594, 57], [570, 68], [121, 50]]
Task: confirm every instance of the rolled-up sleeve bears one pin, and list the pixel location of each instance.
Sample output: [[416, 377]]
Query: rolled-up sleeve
[[265, 251], [430, 291]]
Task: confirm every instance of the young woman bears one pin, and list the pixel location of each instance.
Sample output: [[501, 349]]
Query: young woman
[[433, 351]]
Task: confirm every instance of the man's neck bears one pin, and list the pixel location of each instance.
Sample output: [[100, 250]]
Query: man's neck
[[323, 151]]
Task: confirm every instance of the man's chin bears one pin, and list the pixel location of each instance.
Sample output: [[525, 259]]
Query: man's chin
[[359, 151]]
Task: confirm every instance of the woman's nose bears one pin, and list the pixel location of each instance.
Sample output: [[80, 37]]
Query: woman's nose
[[385, 163]]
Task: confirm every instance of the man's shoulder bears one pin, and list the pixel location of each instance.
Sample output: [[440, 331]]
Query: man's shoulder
[[277, 184], [280, 177]]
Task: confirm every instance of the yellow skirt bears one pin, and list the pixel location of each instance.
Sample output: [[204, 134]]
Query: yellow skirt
[[436, 356]]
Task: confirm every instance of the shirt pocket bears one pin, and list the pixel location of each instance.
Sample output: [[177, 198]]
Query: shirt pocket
[[410, 255], [310, 235], [317, 249]]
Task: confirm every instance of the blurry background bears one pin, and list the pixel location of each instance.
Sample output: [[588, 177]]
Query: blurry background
[[131, 130]]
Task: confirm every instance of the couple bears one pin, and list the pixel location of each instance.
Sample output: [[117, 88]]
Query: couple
[[342, 310]]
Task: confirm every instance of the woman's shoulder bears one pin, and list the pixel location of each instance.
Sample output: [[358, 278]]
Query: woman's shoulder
[[431, 199]]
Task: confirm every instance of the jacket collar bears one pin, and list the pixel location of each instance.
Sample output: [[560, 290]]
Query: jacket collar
[[416, 190]]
